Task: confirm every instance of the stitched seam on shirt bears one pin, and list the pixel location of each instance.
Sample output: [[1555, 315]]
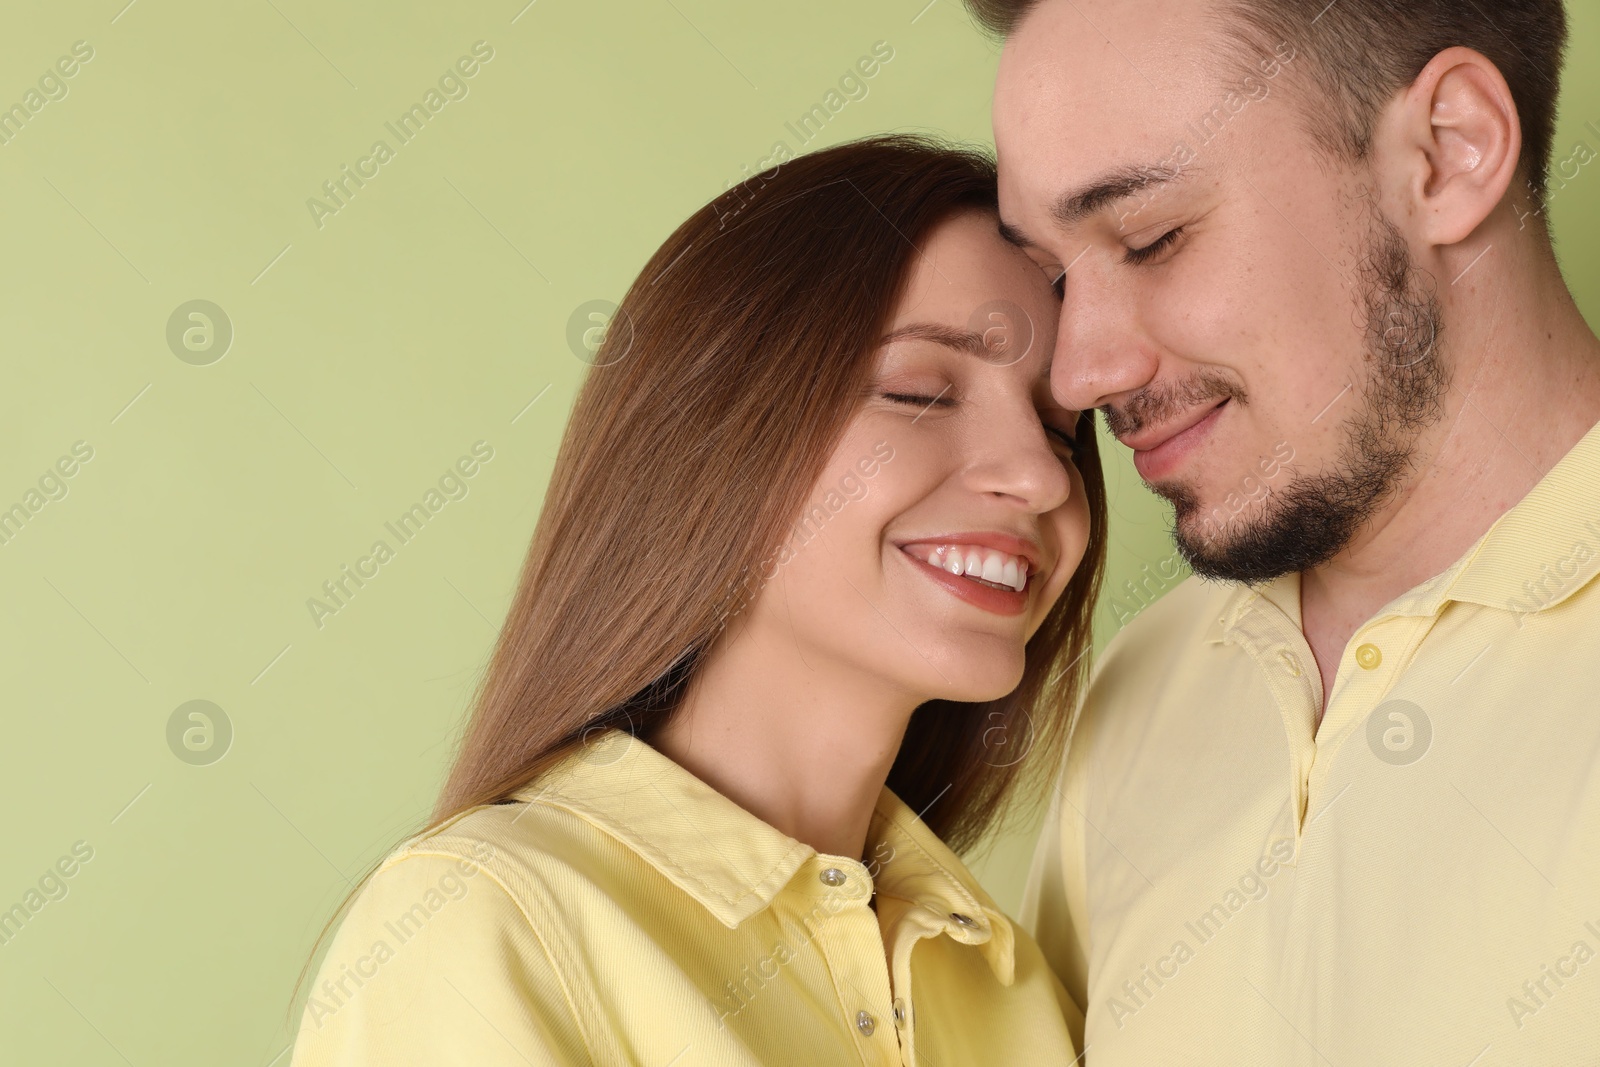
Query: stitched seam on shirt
[[834, 983], [1571, 588], [994, 915], [658, 858], [567, 971], [1240, 608], [419, 838], [967, 894]]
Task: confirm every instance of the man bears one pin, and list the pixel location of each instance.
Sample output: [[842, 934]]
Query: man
[[1335, 800]]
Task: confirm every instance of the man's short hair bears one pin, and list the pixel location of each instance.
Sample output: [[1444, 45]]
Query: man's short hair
[[1362, 52]]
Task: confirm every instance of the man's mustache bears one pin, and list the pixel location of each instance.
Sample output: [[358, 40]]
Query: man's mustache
[[1154, 405]]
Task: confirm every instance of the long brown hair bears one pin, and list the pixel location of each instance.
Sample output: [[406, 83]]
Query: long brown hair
[[728, 374]]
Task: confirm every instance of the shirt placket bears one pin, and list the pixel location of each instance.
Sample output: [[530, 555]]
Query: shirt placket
[[849, 939], [1284, 658], [1372, 664], [922, 922]]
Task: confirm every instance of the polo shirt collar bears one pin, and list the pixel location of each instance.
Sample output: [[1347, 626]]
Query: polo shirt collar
[[734, 863], [1543, 549], [1534, 556], [729, 860]]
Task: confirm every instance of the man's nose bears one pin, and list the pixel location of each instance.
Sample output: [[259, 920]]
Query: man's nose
[[1102, 352]]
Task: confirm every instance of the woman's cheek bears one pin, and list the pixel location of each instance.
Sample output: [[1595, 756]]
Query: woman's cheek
[[1071, 522]]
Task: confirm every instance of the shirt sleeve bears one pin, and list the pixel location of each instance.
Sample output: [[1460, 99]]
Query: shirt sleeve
[[436, 965]]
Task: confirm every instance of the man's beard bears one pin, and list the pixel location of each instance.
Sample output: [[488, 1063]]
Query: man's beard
[[1316, 516]]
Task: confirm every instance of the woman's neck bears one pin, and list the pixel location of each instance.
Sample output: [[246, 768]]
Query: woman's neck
[[810, 758]]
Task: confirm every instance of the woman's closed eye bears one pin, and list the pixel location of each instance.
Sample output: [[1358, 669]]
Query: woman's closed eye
[[925, 402], [1073, 444]]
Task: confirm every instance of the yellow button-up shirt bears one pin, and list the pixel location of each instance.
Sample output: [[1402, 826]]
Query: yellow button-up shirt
[[621, 911], [1416, 882]]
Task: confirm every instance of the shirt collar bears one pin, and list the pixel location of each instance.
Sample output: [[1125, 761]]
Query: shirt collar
[[1534, 556], [1543, 549], [721, 855], [922, 870], [734, 864]]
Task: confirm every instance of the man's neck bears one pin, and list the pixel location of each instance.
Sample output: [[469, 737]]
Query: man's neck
[[1525, 388]]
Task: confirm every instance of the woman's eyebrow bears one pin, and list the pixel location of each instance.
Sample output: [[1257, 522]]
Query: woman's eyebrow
[[949, 336], [967, 341]]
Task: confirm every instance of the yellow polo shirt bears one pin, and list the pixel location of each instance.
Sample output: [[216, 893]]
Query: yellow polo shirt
[[621, 911], [1416, 882]]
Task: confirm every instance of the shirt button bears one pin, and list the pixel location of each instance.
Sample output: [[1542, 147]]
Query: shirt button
[[899, 1013], [865, 1023], [964, 920], [1290, 662], [833, 876], [1368, 657]]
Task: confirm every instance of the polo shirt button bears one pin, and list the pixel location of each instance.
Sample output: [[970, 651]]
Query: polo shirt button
[[1290, 662], [833, 876], [1368, 657], [964, 920], [899, 1013], [865, 1023]]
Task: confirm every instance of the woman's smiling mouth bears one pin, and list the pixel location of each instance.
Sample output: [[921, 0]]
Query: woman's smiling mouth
[[984, 575]]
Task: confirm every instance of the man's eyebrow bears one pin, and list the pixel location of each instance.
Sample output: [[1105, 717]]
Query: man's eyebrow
[[1077, 205], [960, 340]]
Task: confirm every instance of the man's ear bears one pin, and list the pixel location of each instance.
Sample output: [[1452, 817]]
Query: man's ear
[[1451, 144]]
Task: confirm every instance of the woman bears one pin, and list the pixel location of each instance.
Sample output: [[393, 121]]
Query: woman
[[813, 572]]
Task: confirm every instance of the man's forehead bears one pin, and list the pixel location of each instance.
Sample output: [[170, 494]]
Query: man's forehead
[[1083, 120], [1072, 61], [1072, 161], [1130, 28]]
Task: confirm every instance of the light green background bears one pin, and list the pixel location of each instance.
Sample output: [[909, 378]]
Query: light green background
[[369, 354]]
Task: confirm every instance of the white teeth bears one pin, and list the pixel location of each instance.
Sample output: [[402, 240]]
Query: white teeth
[[998, 567]]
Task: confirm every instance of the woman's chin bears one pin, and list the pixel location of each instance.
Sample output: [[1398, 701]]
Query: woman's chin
[[971, 681]]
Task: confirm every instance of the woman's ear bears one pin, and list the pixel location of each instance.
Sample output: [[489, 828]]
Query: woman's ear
[[1450, 146]]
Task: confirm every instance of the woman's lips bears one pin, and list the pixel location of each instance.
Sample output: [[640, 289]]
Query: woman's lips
[[1156, 463], [990, 598]]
